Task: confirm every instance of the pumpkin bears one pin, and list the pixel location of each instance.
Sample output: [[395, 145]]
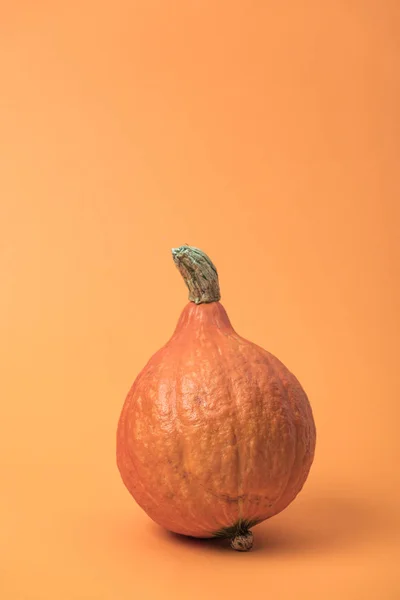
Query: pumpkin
[[216, 435]]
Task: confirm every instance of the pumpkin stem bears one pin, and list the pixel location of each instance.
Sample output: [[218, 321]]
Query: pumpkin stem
[[199, 274], [243, 542]]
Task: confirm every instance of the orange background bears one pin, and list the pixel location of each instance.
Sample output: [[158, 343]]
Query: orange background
[[266, 133]]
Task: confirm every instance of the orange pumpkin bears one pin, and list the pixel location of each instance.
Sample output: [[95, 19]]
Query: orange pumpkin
[[216, 434]]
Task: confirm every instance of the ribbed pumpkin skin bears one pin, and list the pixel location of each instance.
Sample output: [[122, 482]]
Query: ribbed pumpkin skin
[[215, 430]]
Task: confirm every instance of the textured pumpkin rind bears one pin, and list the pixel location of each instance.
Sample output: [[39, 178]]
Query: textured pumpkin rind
[[215, 431]]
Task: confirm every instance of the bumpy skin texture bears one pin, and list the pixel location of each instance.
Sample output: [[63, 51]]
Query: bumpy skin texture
[[215, 430]]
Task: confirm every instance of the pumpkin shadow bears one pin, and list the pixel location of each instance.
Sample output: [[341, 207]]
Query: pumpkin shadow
[[207, 544], [311, 525], [320, 525]]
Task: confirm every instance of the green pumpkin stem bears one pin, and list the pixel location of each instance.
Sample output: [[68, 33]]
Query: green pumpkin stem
[[199, 274]]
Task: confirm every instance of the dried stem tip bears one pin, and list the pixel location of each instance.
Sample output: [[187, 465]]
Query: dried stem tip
[[199, 274], [243, 542]]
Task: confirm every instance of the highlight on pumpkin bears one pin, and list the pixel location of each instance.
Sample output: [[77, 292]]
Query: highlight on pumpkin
[[216, 435]]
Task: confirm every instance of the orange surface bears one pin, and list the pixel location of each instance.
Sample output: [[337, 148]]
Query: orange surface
[[266, 133]]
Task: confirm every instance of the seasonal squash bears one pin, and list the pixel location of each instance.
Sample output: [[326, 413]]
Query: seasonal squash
[[216, 434]]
